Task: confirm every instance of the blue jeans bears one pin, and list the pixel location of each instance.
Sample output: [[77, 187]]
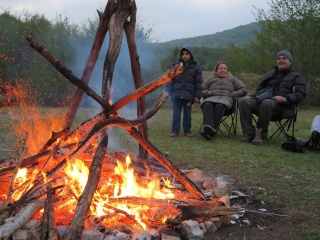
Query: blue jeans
[[178, 105]]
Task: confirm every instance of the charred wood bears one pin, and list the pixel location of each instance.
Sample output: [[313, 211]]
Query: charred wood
[[55, 136], [194, 212]]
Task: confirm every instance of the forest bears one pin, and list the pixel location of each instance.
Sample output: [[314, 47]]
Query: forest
[[249, 49]]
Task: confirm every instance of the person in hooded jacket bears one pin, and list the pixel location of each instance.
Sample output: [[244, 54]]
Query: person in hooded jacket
[[219, 92], [185, 89]]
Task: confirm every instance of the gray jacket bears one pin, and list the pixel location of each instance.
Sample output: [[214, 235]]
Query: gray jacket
[[223, 90]]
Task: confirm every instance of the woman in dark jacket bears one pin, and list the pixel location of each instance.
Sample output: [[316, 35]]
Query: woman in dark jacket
[[218, 92], [185, 89]]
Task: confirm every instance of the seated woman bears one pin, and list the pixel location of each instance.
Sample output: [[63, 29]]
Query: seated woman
[[219, 92]]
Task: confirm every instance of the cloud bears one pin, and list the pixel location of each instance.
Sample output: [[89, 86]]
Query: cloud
[[169, 19]]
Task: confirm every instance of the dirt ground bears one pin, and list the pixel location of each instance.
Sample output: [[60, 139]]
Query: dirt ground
[[257, 224]]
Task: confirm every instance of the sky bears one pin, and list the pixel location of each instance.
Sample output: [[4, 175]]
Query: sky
[[169, 19]]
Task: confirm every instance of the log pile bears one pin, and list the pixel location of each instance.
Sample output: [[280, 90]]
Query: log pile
[[47, 189]]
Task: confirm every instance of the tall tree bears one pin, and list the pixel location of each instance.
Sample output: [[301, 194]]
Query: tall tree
[[292, 25]]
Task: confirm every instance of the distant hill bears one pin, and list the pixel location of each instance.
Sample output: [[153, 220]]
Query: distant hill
[[238, 36]]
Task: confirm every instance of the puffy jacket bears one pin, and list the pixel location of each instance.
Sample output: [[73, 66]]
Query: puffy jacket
[[223, 90], [188, 84], [292, 86]]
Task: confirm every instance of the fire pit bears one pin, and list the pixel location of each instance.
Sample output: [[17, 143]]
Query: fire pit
[[73, 188]]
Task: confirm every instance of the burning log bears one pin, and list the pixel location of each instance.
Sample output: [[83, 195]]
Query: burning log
[[162, 203], [11, 190], [12, 225], [187, 183], [77, 225], [55, 137], [57, 155]]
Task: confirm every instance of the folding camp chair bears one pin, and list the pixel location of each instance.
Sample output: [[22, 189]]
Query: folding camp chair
[[283, 126], [229, 121]]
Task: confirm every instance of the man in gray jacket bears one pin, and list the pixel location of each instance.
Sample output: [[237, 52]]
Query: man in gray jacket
[[289, 88]]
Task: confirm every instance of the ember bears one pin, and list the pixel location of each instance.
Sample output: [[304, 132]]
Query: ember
[[71, 180]]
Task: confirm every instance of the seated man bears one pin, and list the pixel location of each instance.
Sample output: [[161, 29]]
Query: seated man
[[289, 88]]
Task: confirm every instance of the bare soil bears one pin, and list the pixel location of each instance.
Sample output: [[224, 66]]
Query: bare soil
[[269, 224]]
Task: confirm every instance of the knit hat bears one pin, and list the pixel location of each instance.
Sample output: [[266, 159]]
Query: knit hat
[[286, 54]]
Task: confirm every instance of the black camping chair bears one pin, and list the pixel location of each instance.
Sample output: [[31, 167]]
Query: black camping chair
[[229, 122], [284, 126]]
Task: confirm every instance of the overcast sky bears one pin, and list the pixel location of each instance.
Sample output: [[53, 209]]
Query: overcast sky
[[170, 19]]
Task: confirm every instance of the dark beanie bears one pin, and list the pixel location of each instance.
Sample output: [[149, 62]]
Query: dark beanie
[[286, 54]]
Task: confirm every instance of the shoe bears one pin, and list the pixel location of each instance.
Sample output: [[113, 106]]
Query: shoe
[[188, 134], [315, 140], [208, 130], [173, 134], [258, 140], [208, 137], [246, 138]]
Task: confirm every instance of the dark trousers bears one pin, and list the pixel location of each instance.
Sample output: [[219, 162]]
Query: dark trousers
[[264, 111], [213, 114], [178, 105]]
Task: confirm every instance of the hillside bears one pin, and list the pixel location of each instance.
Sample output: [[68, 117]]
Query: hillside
[[238, 36]]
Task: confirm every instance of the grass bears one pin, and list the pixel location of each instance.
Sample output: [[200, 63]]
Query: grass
[[289, 180]]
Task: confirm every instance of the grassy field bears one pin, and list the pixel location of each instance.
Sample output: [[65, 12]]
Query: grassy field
[[289, 180]]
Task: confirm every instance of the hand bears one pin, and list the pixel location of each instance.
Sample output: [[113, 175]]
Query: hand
[[208, 93], [277, 99], [196, 100]]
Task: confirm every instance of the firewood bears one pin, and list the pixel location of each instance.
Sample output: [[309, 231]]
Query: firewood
[[77, 224], [55, 136], [12, 225], [103, 27], [7, 165], [148, 88], [129, 29], [161, 203], [117, 211], [40, 188], [44, 220], [67, 73], [193, 212], [15, 172], [117, 21], [187, 183], [52, 231], [15, 207]]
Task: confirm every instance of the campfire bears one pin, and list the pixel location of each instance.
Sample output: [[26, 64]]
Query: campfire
[[70, 185]]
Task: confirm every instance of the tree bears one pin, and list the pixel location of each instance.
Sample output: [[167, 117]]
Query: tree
[[292, 25]]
